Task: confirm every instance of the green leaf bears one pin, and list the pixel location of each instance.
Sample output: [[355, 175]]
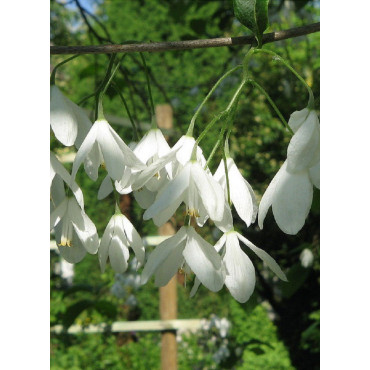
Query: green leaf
[[106, 308], [254, 15]]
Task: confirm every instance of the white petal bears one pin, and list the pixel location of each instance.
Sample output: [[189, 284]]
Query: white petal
[[304, 144], [240, 276], [105, 243], [106, 188], [219, 175], [162, 217], [92, 162], [170, 265], [204, 261], [85, 148], [161, 253], [63, 120], [130, 159], [315, 174], [267, 198], [144, 197], [58, 213], [118, 255], [210, 191], [63, 173], [113, 156], [57, 192], [83, 121], [292, 201], [226, 224], [75, 253], [220, 243], [265, 257], [240, 193], [297, 118], [84, 227], [134, 240], [170, 195]]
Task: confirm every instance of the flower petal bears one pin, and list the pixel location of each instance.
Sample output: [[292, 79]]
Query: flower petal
[[204, 261], [144, 197], [304, 144], [210, 191], [58, 213], [113, 156], [170, 196], [297, 118], [92, 162], [267, 198], [75, 253], [161, 253], [170, 265], [265, 257], [240, 193], [292, 201], [226, 224], [195, 287], [85, 149], [63, 120], [106, 188], [105, 243], [240, 276], [118, 254], [314, 173], [134, 240]]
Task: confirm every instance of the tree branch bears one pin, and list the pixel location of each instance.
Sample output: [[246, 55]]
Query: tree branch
[[185, 45]]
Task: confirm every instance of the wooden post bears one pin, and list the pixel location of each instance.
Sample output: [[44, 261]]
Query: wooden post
[[168, 293]]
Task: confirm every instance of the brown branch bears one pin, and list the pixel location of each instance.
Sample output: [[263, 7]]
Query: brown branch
[[185, 45]]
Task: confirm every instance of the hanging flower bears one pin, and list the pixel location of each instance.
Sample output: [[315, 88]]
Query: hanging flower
[[67, 119], [290, 192], [241, 193], [118, 236], [75, 233], [185, 247], [202, 195], [240, 274], [114, 152]]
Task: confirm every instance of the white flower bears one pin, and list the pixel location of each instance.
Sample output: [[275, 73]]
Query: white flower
[[75, 233], [186, 246], [240, 274], [241, 193], [202, 195], [118, 236], [290, 196], [68, 121], [290, 192], [112, 150]]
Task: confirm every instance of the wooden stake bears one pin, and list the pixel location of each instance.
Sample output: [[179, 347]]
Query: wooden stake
[[168, 293]]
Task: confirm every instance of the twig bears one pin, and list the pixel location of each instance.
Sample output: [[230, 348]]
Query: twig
[[185, 45]]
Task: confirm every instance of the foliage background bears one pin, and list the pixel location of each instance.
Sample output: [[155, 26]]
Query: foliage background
[[278, 328]]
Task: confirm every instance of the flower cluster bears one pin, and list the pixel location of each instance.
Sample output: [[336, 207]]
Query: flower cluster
[[161, 179]]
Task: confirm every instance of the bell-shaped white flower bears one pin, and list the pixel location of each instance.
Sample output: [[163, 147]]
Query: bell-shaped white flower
[[290, 192], [57, 169], [304, 145], [240, 274], [114, 152], [241, 193], [202, 195], [186, 246], [118, 236], [75, 233], [290, 196], [67, 119]]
